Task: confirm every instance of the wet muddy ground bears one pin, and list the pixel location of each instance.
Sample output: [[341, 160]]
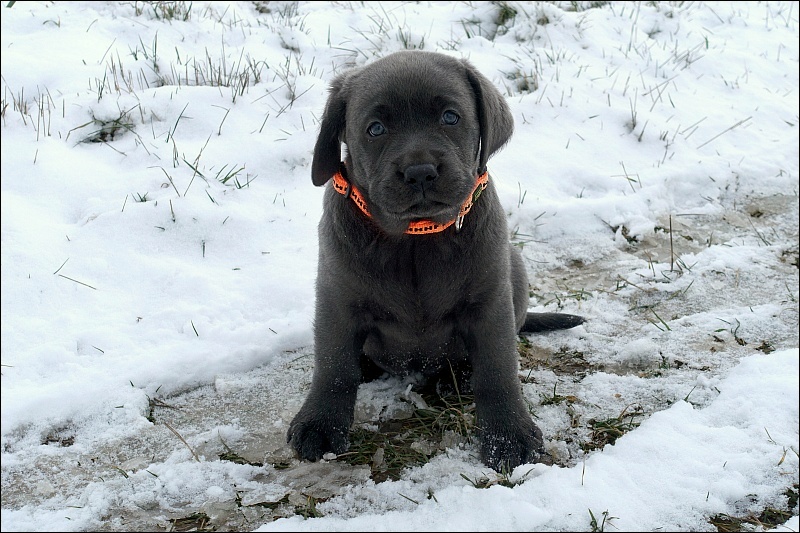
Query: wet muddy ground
[[556, 372]]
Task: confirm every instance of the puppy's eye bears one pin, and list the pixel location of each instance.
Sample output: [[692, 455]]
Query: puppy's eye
[[450, 118], [376, 129]]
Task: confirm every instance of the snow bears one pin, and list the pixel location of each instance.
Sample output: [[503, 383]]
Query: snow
[[132, 273]]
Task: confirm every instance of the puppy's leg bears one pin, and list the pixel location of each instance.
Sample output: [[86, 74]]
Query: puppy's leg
[[519, 286], [323, 423], [452, 380], [508, 435]]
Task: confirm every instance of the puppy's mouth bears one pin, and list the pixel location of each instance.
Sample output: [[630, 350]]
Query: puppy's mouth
[[428, 210]]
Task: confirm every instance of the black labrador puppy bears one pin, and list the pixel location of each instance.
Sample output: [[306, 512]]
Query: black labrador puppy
[[416, 273]]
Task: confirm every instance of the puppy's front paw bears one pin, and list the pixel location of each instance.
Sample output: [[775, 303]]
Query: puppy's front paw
[[503, 448], [312, 436]]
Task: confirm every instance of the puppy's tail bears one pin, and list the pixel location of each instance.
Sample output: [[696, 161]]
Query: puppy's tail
[[536, 322]]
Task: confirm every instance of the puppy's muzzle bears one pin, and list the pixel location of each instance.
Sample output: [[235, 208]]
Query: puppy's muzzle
[[420, 176]]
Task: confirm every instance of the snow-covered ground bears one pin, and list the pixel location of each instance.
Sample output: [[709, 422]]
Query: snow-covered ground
[[159, 254]]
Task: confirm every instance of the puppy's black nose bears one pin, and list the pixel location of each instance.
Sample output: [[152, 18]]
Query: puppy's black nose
[[419, 176]]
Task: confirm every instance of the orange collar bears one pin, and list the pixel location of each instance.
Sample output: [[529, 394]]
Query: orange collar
[[419, 227]]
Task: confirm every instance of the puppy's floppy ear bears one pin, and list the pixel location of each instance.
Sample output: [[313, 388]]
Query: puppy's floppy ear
[[496, 121], [328, 149]]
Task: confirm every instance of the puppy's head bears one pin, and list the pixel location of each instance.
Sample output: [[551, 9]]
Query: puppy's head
[[419, 128]]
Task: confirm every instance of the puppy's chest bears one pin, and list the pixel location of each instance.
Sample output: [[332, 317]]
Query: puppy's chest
[[405, 330], [416, 291]]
